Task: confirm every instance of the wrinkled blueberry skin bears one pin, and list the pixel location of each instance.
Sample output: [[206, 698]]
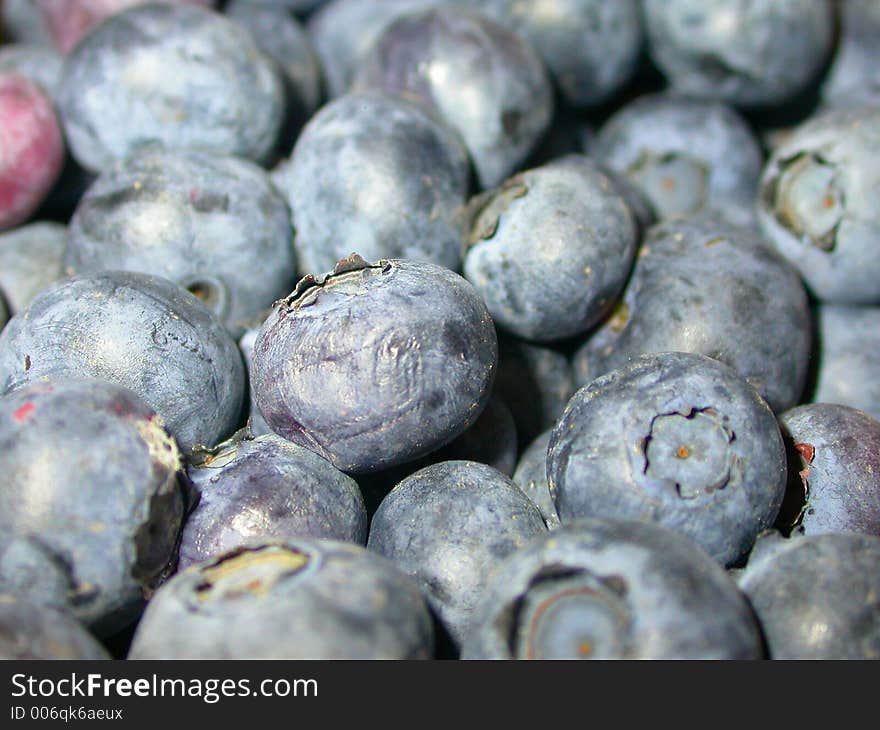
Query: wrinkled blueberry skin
[[609, 589], [536, 383], [29, 631], [303, 599], [448, 526], [215, 225], [676, 439], [379, 175], [748, 54], [41, 64], [375, 365], [531, 477], [283, 39], [30, 571], [179, 75], [848, 357], [344, 31], [591, 47], [550, 249], [30, 260], [684, 155], [268, 488], [834, 469], [816, 596], [818, 204], [852, 75], [484, 80], [91, 474], [141, 332], [704, 286]]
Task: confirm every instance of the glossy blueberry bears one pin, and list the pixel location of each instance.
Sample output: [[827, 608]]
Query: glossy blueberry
[[748, 54], [375, 365], [484, 80], [531, 477], [30, 260], [303, 599], [448, 526], [608, 589], [684, 155], [379, 175], [41, 64], [91, 474], [138, 331], [343, 32], [536, 383], [179, 75], [848, 357], [703, 286], [215, 225], [591, 47], [852, 76], [550, 249], [834, 470], [267, 488], [816, 597], [29, 631], [818, 204], [677, 439]]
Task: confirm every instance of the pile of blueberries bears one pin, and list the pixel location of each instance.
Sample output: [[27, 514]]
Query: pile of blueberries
[[440, 328]]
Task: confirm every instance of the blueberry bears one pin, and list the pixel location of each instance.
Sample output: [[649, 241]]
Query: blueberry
[[30, 260], [138, 331], [256, 423], [704, 286], [531, 477], [343, 31], [268, 488], [484, 80], [852, 75], [818, 204], [375, 365], [684, 155], [848, 357], [449, 525], [550, 249], [30, 631], [32, 572], [215, 225], [179, 75], [749, 54], [23, 22], [40, 64], [834, 470], [608, 589], [677, 439], [591, 47], [303, 599], [536, 383], [93, 476], [379, 175], [816, 597]]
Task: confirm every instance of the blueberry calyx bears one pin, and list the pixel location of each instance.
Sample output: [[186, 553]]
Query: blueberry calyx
[[486, 209], [306, 291]]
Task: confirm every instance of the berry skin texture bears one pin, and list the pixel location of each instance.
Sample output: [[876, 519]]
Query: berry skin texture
[[30, 260], [818, 204], [135, 79], [91, 474], [610, 589], [560, 223], [834, 469], [676, 439], [701, 285], [816, 596], [379, 175], [449, 525], [484, 80], [531, 477], [142, 332], [375, 365], [29, 631], [267, 488], [31, 148], [301, 599], [215, 225]]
